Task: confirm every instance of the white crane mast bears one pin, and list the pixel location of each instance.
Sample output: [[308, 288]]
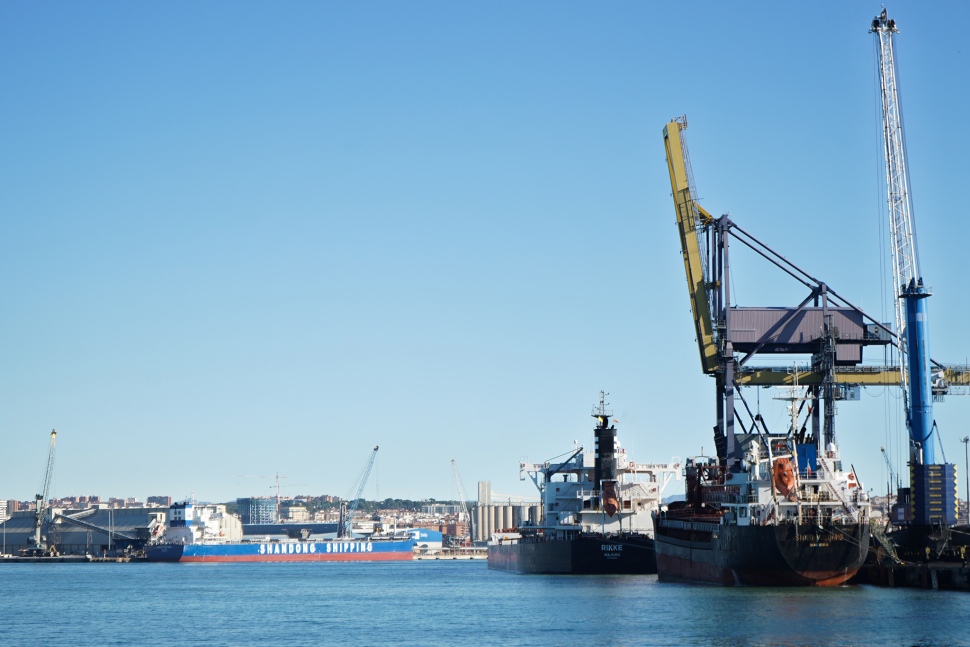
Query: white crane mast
[[463, 515], [40, 544], [905, 259]]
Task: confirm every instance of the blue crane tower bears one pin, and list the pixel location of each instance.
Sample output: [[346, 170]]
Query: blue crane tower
[[933, 485]]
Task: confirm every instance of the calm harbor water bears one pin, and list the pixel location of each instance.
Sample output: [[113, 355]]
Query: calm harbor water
[[446, 603]]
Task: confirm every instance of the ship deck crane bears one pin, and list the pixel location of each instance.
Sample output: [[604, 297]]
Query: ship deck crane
[[930, 505], [463, 515], [39, 545], [349, 506]]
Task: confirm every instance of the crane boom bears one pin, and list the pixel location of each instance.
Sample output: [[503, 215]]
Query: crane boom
[[39, 541], [347, 514], [691, 218], [893, 479], [463, 506]]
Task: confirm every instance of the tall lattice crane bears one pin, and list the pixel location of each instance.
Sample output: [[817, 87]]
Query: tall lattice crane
[[463, 516], [39, 541], [911, 293], [893, 478], [349, 506]]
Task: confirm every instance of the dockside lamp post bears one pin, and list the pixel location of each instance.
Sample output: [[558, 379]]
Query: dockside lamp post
[[966, 470]]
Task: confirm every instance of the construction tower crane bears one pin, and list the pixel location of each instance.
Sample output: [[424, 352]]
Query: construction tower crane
[[937, 504], [349, 506], [39, 545], [463, 516]]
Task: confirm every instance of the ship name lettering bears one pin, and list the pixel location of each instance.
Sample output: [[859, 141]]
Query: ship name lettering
[[608, 548]]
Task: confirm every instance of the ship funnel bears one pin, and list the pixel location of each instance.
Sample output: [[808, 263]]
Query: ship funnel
[[605, 465]]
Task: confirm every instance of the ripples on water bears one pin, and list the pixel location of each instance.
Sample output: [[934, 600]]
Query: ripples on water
[[446, 603]]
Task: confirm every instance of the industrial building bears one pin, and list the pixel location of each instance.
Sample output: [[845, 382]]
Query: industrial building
[[93, 531], [488, 517]]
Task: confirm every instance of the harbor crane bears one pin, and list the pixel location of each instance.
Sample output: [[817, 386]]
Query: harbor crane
[[349, 506], [463, 516], [931, 505], [893, 478], [38, 540], [825, 325]]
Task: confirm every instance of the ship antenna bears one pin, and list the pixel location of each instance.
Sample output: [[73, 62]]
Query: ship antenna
[[600, 411]]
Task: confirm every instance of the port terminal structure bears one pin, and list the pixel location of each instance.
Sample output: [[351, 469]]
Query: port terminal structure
[[825, 325], [932, 485], [722, 329]]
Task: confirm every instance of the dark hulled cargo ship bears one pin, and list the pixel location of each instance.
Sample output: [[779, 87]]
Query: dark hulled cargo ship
[[770, 508], [596, 512], [783, 515], [576, 553]]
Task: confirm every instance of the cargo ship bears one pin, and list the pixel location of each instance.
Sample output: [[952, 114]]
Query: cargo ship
[[206, 533], [783, 514], [596, 512]]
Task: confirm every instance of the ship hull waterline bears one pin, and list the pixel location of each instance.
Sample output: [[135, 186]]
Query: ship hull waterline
[[583, 555], [773, 555], [352, 551]]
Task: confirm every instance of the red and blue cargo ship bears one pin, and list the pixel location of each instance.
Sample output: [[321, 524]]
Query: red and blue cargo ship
[[206, 533], [393, 548]]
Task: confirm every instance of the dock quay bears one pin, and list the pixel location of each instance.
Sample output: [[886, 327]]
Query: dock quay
[[66, 559], [944, 576], [451, 554]]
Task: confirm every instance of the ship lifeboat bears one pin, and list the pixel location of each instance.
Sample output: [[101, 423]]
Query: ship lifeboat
[[784, 476], [610, 502]]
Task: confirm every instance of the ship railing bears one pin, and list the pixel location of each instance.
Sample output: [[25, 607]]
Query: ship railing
[[721, 497], [691, 525], [821, 497], [830, 487]]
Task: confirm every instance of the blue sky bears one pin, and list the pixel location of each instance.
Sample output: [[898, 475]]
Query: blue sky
[[248, 238]]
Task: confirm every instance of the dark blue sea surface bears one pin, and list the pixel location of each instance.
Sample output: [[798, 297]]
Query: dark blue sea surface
[[431, 603]]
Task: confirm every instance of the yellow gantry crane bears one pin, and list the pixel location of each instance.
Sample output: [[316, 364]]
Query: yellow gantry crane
[[691, 217], [698, 230], [824, 326]]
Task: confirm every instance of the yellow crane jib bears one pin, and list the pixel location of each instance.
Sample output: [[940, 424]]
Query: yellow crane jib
[[690, 217]]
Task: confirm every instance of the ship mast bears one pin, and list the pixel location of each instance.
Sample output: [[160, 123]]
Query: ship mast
[[604, 467]]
